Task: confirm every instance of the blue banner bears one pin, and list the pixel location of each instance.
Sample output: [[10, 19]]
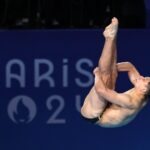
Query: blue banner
[[44, 78]]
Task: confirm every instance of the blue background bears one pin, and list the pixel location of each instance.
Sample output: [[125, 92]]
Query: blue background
[[76, 133]]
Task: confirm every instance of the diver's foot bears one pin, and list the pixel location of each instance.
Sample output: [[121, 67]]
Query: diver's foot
[[110, 31]]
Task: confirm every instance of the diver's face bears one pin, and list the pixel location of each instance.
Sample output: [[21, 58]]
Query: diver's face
[[142, 83]]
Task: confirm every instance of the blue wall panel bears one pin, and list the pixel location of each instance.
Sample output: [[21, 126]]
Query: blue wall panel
[[44, 78]]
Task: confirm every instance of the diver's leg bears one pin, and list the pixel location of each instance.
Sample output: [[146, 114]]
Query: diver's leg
[[108, 58], [94, 104]]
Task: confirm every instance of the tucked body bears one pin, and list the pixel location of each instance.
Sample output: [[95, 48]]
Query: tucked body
[[113, 109]]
